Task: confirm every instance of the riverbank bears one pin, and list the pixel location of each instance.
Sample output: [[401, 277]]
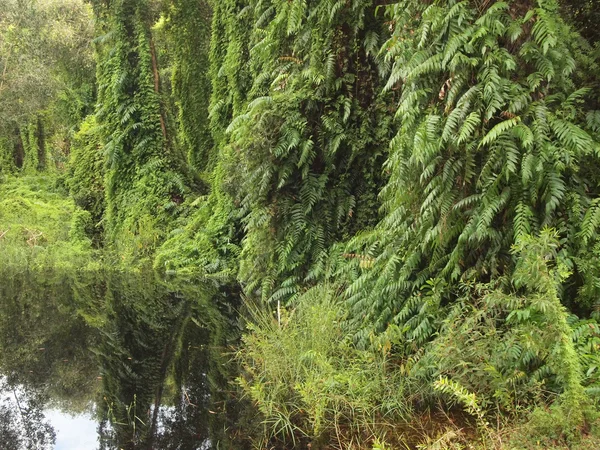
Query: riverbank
[[41, 226]]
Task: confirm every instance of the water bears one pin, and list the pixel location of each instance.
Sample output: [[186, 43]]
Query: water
[[116, 361]]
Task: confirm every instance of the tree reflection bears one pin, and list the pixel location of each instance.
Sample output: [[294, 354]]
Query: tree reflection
[[44, 343], [22, 421], [150, 359], [165, 374]]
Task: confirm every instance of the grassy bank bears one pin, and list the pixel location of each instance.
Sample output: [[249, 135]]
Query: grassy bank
[[314, 389], [40, 226]]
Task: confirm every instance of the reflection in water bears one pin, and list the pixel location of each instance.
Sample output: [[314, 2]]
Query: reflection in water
[[147, 358], [73, 432], [22, 421]]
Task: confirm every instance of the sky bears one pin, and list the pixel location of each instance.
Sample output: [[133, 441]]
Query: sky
[[73, 432]]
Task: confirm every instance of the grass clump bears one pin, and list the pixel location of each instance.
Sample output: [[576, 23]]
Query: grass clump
[[311, 384]]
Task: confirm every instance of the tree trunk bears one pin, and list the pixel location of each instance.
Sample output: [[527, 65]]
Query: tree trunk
[[157, 87], [41, 144], [19, 150]]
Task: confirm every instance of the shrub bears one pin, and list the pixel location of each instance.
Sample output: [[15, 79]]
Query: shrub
[[311, 383]]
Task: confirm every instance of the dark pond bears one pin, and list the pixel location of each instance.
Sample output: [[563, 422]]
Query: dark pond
[[116, 361]]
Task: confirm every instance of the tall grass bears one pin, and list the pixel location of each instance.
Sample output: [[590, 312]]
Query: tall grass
[[311, 384]]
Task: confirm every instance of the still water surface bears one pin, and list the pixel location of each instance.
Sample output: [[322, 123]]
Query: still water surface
[[116, 361]]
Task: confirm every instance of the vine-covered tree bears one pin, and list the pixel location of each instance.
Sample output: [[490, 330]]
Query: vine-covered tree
[[497, 140], [142, 185]]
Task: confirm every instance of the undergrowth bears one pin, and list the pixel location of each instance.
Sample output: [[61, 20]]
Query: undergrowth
[[508, 357], [310, 382], [40, 226]]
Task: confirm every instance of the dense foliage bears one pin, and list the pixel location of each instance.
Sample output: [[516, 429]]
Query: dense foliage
[[46, 80], [406, 196]]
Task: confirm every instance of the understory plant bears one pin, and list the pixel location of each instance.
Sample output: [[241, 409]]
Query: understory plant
[[510, 349], [311, 384], [40, 227], [507, 353]]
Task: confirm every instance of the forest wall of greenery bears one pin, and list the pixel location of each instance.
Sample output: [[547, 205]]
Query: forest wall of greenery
[[406, 195]]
